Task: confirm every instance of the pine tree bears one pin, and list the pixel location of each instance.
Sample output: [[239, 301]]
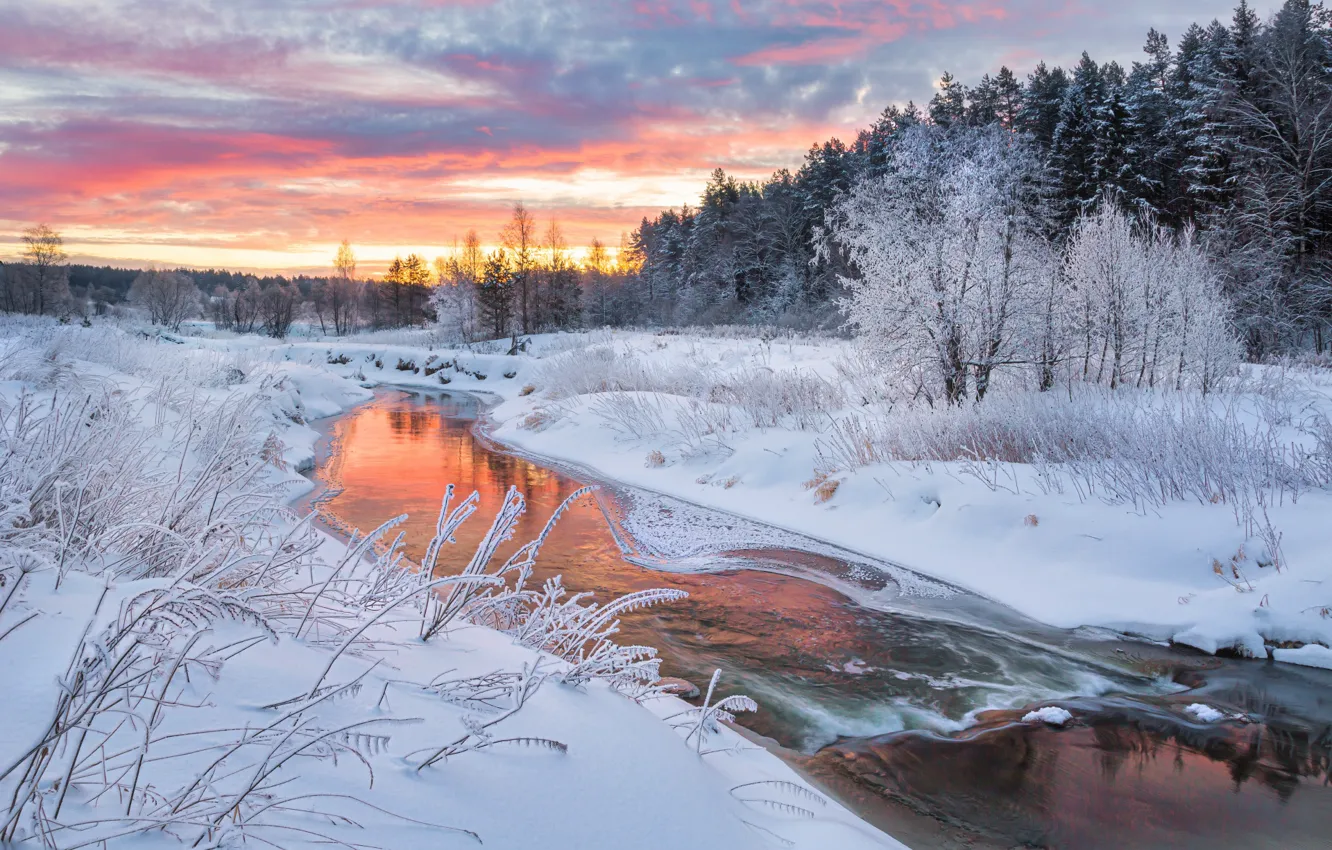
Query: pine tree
[[1042, 103], [1074, 153], [949, 105], [1151, 166], [495, 295], [1205, 141], [1111, 131]]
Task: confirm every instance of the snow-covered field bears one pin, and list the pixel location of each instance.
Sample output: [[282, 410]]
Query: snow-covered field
[[1163, 514], [188, 663]]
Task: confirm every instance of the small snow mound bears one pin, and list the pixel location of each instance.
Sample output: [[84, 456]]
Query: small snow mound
[[1052, 714], [1310, 655], [1204, 713]]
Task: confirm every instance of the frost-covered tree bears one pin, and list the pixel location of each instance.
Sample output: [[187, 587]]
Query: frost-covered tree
[[454, 300], [1151, 309], [948, 257], [1104, 261], [1284, 121]]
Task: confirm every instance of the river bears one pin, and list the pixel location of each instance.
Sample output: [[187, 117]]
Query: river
[[897, 694]]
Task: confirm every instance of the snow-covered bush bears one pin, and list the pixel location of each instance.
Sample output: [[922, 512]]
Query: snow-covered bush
[[692, 401], [1138, 447]]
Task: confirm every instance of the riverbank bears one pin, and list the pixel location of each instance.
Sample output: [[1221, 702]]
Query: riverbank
[[166, 620], [1199, 572], [853, 694]]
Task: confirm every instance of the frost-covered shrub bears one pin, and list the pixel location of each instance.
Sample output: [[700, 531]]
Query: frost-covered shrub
[[1136, 447], [159, 498], [695, 399], [770, 399]]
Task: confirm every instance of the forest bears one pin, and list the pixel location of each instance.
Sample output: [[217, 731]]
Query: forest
[[1228, 134], [1216, 151]]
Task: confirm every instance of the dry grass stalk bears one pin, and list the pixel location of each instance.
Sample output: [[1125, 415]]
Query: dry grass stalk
[[825, 491]]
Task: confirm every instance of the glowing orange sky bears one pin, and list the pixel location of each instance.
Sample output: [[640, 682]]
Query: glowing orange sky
[[252, 134]]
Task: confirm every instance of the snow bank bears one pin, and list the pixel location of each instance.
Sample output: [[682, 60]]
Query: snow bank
[[1311, 655]]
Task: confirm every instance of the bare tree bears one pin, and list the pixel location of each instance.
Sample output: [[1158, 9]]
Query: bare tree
[[559, 296], [597, 277], [169, 297], [246, 306], [278, 306], [44, 286], [221, 306], [343, 290], [520, 240], [318, 305]]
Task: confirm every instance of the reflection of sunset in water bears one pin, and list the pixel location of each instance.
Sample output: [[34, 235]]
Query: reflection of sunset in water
[[828, 672], [397, 456], [1125, 780]]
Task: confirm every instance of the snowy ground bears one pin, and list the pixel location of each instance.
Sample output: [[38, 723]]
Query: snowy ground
[[165, 622], [748, 426], [797, 434]]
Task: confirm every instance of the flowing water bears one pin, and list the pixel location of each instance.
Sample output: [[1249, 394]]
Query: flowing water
[[896, 693]]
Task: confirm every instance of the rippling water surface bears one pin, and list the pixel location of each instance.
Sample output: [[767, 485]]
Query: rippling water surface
[[843, 657]]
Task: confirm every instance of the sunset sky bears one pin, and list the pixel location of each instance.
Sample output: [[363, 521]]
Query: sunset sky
[[251, 134]]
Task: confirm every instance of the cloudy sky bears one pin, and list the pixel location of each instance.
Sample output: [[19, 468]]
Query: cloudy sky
[[257, 134]]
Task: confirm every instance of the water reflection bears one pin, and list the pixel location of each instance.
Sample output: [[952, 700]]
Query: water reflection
[[821, 666], [833, 677], [1130, 777]]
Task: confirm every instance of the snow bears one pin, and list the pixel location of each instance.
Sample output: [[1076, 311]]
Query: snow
[[1204, 713], [744, 429], [1051, 714], [1145, 568], [627, 777], [1310, 655]]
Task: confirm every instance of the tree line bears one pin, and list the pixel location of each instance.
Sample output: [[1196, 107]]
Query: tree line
[[530, 283], [1227, 136]]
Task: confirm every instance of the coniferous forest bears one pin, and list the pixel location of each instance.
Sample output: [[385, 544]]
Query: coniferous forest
[[1228, 131]]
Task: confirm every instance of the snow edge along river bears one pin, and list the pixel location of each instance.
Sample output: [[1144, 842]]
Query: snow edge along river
[[1058, 560]]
